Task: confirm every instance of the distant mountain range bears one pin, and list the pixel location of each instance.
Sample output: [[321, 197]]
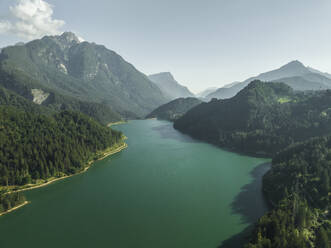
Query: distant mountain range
[[175, 109], [63, 73], [294, 74], [169, 86], [206, 92]]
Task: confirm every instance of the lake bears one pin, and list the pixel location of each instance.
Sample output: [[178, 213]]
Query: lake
[[165, 190]]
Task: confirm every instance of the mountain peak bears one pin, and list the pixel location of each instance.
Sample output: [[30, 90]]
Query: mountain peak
[[65, 40], [167, 75], [169, 86], [294, 64], [70, 37]]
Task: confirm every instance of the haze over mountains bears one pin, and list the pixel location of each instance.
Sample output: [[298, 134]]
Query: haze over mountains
[[206, 92], [169, 86], [175, 109], [63, 73], [294, 74]]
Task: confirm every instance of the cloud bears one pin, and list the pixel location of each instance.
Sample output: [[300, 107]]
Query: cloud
[[31, 19]]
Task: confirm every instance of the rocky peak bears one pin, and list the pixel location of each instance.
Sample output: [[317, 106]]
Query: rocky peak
[[69, 37], [65, 41], [163, 76]]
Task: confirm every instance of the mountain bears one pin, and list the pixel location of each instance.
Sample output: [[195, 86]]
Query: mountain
[[169, 86], [261, 119], [64, 73], [206, 92], [174, 109], [295, 74]]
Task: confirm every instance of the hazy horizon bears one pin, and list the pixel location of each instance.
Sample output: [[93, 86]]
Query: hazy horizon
[[203, 44]]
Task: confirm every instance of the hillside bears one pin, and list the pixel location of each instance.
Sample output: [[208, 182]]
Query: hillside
[[64, 73], [175, 109], [294, 74], [169, 86], [9, 98], [36, 146], [298, 188], [261, 119]]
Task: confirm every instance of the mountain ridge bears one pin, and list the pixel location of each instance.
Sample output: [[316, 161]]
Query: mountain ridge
[[169, 86], [82, 71], [174, 109], [293, 69]]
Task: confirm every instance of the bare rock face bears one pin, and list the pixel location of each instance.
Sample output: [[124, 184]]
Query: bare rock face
[[39, 96], [63, 68]]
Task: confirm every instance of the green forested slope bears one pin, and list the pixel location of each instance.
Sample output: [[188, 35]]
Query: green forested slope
[[261, 119], [38, 143], [298, 187], [18, 85], [9, 98], [36, 146]]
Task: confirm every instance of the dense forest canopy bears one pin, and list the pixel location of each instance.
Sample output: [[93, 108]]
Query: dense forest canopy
[[299, 188], [9, 201], [35, 146], [39, 142]]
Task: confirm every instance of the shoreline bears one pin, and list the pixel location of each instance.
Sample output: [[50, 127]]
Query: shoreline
[[104, 154], [14, 208], [116, 123]]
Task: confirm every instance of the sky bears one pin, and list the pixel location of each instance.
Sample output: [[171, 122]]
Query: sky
[[202, 43]]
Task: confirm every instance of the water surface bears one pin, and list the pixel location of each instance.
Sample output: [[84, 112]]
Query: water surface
[[164, 191]]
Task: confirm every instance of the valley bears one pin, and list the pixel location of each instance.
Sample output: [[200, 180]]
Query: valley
[[244, 165], [127, 200]]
